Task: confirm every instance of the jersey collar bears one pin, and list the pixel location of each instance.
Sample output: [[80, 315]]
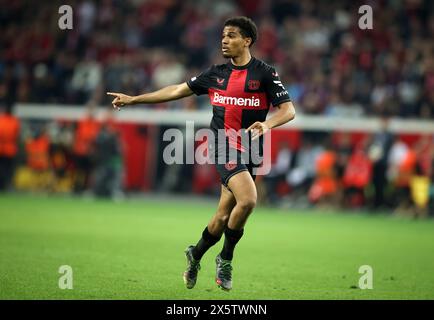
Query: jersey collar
[[241, 67]]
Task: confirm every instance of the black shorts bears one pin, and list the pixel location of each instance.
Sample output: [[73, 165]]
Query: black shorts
[[237, 161]]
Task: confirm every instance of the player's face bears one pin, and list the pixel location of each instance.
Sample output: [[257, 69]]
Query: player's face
[[233, 42]]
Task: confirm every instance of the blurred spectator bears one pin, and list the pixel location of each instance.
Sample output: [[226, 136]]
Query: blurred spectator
[[38, 151], [420, 193], [168, 71], [37, 174], [175, 177], [357, 176], [303, 173], [61, 135], [431, 176], [86, 78], [86, 16], [325, 187], [415, 177], [85, 135], [379, 155], [344, 150], [279, 171], [9, 135], [108, 163], [402, 163]]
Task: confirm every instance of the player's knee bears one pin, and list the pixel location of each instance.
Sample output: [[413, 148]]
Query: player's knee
[[223, 219], [248, 204]]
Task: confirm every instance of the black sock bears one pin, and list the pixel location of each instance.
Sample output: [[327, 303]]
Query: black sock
[[206, 242], [231, 239]]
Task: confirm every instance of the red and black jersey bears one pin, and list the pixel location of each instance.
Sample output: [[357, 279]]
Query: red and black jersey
[[240, 95]]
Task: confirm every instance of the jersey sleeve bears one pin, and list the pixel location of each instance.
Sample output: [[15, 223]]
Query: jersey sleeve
[[274, 88], [201, 83]]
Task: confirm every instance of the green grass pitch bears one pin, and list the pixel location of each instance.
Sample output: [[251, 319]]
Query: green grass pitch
[[134, 250]]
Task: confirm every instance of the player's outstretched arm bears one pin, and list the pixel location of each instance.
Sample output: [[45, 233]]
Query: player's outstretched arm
[[168, 93], [284, 114]]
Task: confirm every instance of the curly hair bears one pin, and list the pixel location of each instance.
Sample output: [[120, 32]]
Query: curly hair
[[246, 25]]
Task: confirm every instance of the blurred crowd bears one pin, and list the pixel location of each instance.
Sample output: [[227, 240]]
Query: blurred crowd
[[329, 65], [61, 156], [379, 172]]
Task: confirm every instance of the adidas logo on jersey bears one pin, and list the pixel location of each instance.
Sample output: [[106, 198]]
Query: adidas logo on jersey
[[248, 102]]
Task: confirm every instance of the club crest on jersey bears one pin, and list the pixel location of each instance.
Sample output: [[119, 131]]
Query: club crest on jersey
[[220, 81], [253, 84]]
